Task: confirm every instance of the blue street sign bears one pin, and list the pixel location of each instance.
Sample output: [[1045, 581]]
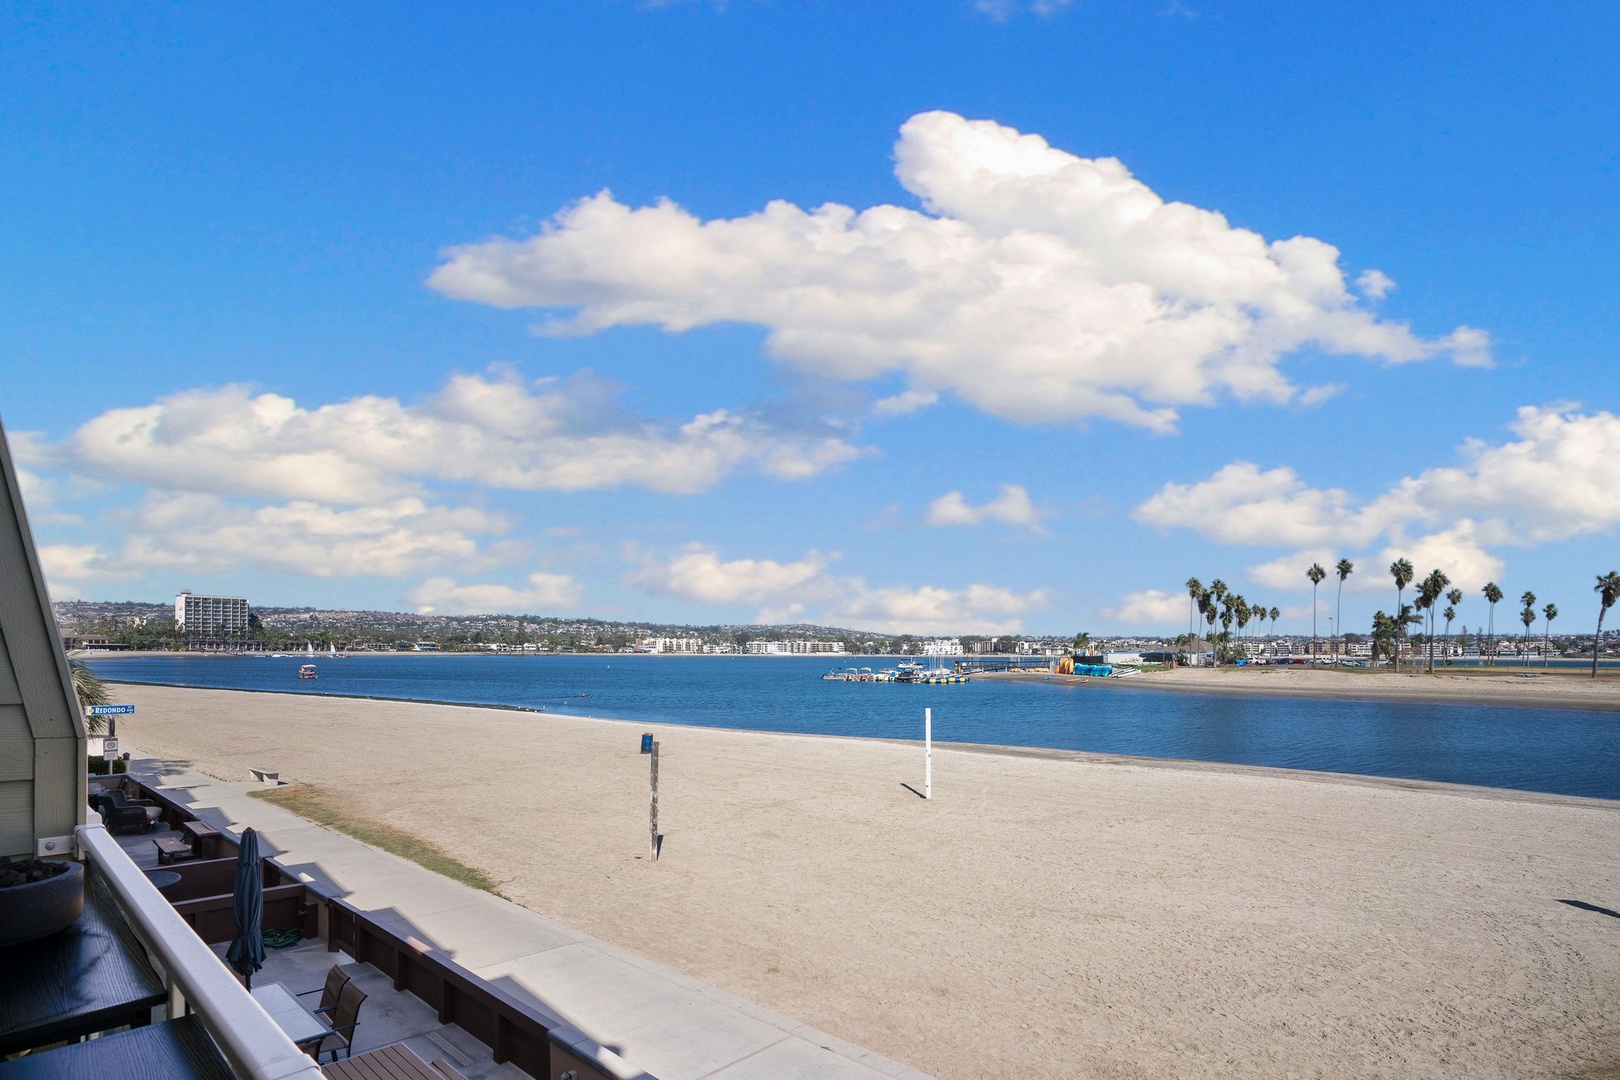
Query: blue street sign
[[111, 710]]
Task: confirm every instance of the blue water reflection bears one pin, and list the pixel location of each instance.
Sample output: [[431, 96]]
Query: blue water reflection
[[1563, 751]]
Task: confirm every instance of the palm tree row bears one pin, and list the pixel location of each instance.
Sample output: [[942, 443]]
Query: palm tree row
[[1220, 604]]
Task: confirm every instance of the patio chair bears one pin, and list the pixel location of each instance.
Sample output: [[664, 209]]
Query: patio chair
[[336, 980], [345, 1019], [117, 817], [121, 801]]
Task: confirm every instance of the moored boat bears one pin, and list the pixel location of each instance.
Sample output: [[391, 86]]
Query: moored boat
[[307, 671]]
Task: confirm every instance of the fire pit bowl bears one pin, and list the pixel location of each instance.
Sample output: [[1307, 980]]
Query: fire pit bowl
[[38, 908]]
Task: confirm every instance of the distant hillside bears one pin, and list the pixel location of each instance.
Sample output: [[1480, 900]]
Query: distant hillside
[[140, 623]]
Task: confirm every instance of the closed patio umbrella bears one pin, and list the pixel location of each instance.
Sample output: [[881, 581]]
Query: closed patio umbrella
[[246, 953]]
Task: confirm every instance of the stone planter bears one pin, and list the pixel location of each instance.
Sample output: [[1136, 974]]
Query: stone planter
[[43, 907]]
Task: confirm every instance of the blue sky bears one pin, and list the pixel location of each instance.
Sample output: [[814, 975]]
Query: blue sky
[[534, 308]]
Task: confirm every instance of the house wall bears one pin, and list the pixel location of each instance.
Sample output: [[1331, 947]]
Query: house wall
[[43, 784]]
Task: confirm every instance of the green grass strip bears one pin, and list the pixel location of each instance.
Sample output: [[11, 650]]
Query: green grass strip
[[308, 801]]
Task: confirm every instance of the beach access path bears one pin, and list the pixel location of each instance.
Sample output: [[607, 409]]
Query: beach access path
[[1047, 913], [660, 1022]]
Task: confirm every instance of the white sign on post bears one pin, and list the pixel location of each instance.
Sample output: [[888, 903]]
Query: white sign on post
[[109, 747], [928, 753]]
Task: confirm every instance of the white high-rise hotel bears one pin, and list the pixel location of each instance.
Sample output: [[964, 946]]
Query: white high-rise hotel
[[210, 616]]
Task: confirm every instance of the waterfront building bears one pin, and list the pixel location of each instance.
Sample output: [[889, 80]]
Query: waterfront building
[[795, 647], [672, 644], [210, 616], [942, 647]]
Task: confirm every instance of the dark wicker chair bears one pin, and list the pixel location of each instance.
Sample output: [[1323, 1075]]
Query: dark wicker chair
[[128, 816], [116, 803]]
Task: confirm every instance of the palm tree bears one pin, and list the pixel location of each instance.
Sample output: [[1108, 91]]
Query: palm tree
[[1229, 605], [1493, 594], [1550, 612], [1450, 613], [1382, 631], [1243, 613], [1275, 615], [1404, 619], [1433, 588], [1212, 612], [1344, 570], [1608, 590], [1423, 602], [1401, 570], [1454, 597], [1194, 589], [1082, 641], [1316, 574], [1217, 593], [90, 690], [1527, 615]]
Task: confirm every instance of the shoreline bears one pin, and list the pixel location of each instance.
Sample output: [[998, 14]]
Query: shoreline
[[1049, 753], [1538, 690]]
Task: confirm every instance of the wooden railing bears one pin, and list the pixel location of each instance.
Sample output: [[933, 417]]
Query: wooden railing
[[514, 1030]]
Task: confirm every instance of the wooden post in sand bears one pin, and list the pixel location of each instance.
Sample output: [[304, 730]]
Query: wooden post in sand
[[652, 836], [928, 753]]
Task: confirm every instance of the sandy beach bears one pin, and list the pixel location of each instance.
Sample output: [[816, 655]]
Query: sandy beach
[[1046, 914]]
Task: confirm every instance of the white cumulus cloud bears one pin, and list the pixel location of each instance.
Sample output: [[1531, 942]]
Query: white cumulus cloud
[[1288, 571], [905, 403], [541, 593], [204, 534], [1243, 504], [930, 609], [1150, 608], [788, 590], [1560, 478], [699, 574], [1011, 507], [1034, 284], [491, 429]]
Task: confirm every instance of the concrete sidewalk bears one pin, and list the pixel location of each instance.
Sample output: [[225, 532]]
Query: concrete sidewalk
[[658, 1021]]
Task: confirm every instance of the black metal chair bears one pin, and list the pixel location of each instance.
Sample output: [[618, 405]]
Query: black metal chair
[[345, 1019], [336, 980]]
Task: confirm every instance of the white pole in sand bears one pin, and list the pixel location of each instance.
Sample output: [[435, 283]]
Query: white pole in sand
[[928, 753]]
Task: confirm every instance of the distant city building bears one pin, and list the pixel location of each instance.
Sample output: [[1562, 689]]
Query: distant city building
[[210, 616], [942, 647], [793, 648], [673, 644]]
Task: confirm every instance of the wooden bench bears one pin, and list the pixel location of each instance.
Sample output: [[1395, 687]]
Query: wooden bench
[[171, 848]]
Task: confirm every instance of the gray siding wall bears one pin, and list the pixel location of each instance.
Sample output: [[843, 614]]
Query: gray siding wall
[[43, 788]]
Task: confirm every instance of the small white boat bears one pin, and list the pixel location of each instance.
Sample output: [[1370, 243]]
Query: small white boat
[[307, 671]]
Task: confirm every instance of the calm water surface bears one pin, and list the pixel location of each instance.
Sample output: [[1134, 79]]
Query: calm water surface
[[1563, 751]]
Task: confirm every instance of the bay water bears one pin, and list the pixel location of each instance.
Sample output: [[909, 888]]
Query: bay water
[[1563, 751]]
